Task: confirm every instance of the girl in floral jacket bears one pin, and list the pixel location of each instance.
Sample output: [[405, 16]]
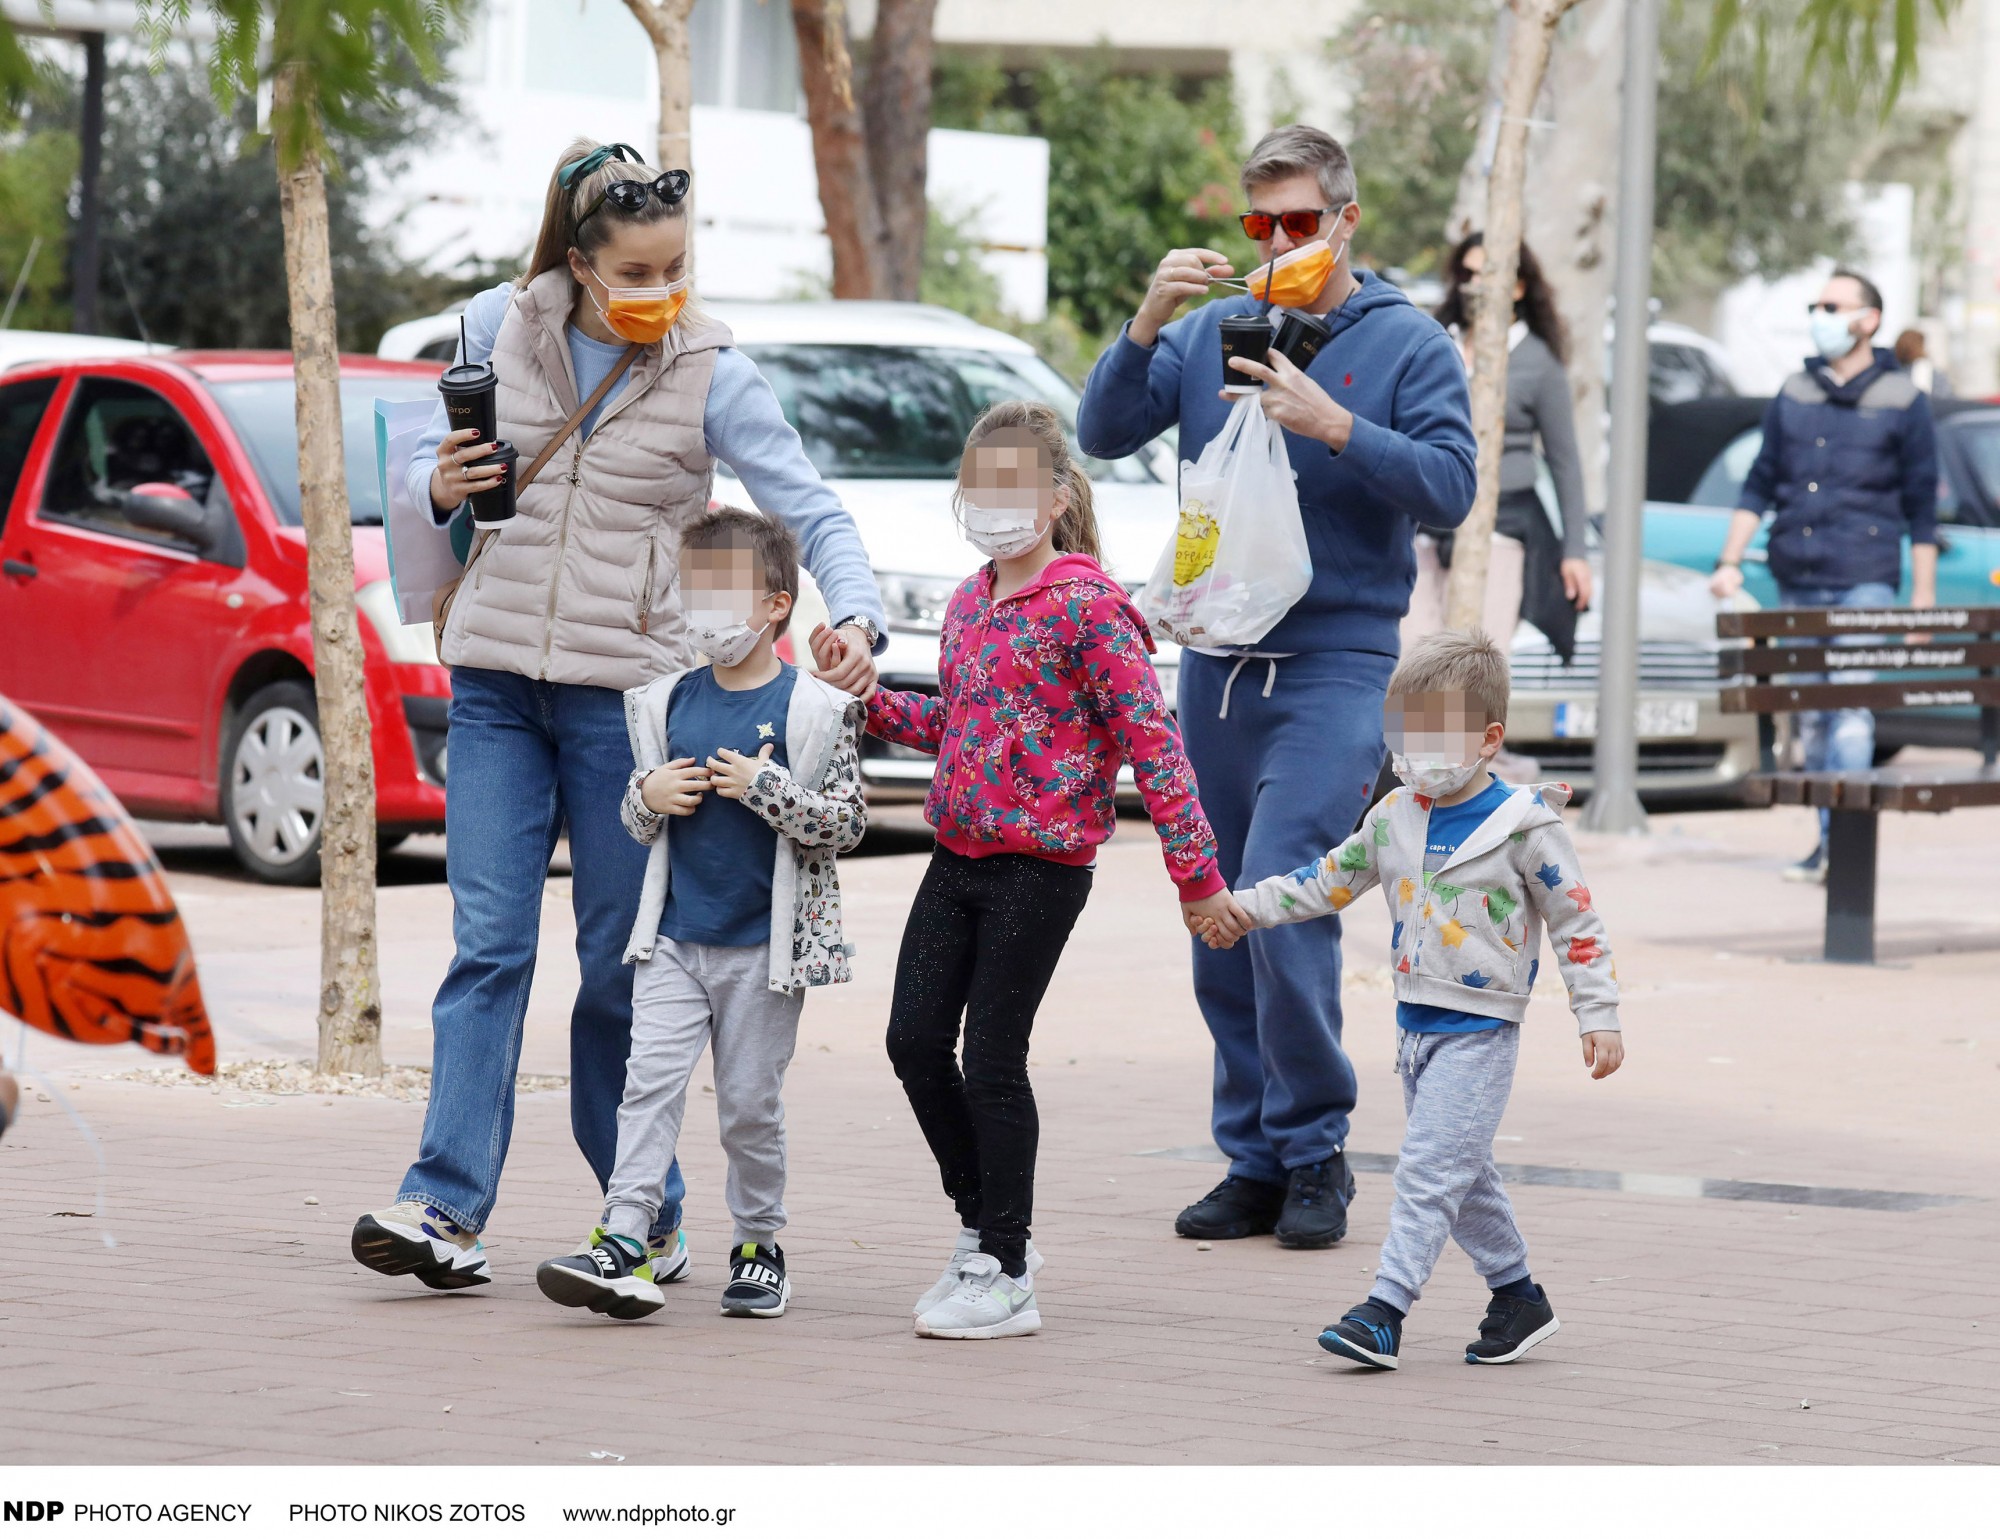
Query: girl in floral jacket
[[1045, 689]]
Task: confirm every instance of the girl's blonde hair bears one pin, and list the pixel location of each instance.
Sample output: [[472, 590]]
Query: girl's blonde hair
[[564, 205], [1031, 422]]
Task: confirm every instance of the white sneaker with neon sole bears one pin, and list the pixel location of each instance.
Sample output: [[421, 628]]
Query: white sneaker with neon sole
[[967, 1245], [984, 1305]]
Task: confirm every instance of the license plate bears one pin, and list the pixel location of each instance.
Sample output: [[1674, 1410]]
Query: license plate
[[1656, 718]]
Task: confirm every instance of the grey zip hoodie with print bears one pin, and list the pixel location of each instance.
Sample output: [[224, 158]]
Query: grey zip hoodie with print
[[816, 807], [1468, 935]]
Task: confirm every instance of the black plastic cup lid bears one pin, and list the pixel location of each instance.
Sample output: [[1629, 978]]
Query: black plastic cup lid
[[468, 377]]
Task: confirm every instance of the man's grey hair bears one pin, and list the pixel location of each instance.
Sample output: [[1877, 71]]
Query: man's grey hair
[[1296, 148]]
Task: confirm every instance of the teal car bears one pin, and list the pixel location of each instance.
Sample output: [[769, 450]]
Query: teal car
[[1699, 454]]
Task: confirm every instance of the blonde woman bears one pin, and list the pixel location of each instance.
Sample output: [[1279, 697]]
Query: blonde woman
[[571, 602]]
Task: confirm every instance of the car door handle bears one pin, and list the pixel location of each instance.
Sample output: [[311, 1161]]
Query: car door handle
[[21, 569]]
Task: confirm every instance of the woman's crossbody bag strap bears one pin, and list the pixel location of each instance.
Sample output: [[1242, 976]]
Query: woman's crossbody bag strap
[[441, 601]]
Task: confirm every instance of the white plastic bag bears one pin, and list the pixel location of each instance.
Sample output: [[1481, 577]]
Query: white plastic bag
[[1238, 560], [421, 557]]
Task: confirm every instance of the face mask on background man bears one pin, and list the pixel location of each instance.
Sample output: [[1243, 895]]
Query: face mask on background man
[[1832, 334]]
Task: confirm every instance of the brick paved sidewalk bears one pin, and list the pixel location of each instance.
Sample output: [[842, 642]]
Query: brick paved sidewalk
[[231, 1325]]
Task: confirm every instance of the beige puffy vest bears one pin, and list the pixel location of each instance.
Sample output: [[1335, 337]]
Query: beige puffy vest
[[578, 588]]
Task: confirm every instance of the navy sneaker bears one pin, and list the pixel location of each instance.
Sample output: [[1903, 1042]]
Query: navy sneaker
[[1513, 1325], [1314, 1215], [1367, 1334], [757, 1283], [611, 1276]]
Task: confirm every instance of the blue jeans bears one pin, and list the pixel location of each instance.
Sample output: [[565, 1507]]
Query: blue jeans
[[1283, 778], [1838, 740], [526, 757]]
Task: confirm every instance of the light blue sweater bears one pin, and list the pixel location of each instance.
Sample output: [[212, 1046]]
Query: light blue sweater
[[744, 429]]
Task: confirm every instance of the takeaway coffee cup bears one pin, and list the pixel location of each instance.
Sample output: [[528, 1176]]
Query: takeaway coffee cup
[[469, 391], [1243, 336], [1300, 337], [493, 507]]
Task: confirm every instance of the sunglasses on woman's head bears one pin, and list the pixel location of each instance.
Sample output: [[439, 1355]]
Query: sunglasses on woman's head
[[1299, 223], [669, 187]]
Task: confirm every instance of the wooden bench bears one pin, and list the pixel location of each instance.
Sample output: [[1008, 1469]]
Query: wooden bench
[[1958, 658]]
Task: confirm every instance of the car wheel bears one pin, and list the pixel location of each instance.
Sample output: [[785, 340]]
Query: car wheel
[[274, 784]]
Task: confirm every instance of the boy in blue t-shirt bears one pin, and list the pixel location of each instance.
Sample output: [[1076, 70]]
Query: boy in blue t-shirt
[[1473, 869], [747, 785]]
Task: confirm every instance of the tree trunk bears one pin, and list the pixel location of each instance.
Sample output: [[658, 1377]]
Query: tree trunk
[[666, 24], [897, 115], [350, 994], [1529, 41], [840, 150]]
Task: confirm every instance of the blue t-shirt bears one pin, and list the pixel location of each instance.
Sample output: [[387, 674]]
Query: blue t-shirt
[[592, 360], [1449, 828], [719, 856]]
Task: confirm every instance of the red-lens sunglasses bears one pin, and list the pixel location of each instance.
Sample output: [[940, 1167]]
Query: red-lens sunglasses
[[1299, 223]]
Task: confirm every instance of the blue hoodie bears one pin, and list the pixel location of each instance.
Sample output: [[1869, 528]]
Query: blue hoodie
[[1410, 460]]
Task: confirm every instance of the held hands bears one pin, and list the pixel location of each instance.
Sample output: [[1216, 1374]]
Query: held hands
[[842, 659], [1293, 399], [1218, 919], [452, 482], [1182, 275], [730, 773], [675, 788], [1603, 1051]]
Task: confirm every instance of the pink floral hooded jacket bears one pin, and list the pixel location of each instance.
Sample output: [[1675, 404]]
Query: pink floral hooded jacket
[[1043, 694]]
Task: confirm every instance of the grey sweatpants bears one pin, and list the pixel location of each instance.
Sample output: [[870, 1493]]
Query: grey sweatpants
[[1455, 1088], [684, 998]]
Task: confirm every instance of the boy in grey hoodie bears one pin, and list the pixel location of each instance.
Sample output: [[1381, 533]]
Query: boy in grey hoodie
[[1473, 869], [747, 787]]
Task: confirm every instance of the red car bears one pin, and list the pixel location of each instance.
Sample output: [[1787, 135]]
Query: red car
[[153, 593]]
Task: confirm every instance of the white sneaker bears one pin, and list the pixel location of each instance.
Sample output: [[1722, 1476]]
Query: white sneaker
[[968, 1245], [983, 1305], [669, 1256], [410, 1237]]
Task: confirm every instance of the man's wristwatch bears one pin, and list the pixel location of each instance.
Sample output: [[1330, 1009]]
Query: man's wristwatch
[[863, 624], [1723, 561]]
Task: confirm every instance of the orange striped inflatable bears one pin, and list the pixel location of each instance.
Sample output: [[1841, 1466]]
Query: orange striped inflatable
[[91, 945]]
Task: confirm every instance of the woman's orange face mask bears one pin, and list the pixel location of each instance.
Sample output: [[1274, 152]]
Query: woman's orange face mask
[[641, 315]]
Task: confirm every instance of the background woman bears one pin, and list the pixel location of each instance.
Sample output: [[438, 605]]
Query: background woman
[[565, 606], [1533, 571]]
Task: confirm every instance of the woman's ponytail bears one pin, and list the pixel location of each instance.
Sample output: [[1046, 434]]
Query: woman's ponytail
[[1076, 525]]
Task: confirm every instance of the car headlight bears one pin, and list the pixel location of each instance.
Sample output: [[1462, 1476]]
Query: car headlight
[[915, 603], [403, 643]]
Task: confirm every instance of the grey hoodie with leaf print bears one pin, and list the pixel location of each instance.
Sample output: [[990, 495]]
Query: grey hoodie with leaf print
[[1468, 935]]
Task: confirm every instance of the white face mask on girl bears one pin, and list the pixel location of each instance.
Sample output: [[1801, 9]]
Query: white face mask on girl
[[1433, 777], [1000, 531]]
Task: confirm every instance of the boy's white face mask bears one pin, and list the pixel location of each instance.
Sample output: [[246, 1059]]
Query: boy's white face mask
[[1436, 742], [721, 637], [1433, 777]]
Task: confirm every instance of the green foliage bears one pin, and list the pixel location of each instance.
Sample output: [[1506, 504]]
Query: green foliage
[[191, 237], [1417, 69], [1857, 51], [952, 275], [1138, 165], [1753, 159], [335, 50], [37, 166]]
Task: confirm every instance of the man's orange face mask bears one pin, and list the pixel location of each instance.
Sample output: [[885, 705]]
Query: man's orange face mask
[[1295, 279]]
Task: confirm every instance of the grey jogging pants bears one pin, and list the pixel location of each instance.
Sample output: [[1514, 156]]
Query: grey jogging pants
[[1455, 1087], [686, 997]]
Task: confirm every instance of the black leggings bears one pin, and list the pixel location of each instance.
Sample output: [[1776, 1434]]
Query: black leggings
[[982, 941]]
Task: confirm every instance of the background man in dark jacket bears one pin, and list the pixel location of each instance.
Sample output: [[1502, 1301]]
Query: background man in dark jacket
[[1849, 463], [1286, 737]]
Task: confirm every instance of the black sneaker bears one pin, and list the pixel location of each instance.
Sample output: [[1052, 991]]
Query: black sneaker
[[1512, 1326], [611, 1277], [757, 1284], [1235, 1210], [1811, 869], [1315, 1211], [1366, 1334]]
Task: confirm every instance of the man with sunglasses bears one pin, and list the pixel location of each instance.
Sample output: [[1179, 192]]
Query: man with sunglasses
[[1378, 428], [1849, 468]]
